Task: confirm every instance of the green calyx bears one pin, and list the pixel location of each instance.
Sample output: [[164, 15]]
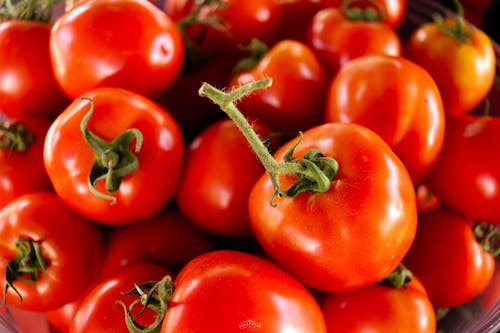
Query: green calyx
[[30, 10], [399, 277], [113, 159], [460, 31], [488, 235], [257, 50], [151, 295], [375, 13], [26, 266], [15, 137]]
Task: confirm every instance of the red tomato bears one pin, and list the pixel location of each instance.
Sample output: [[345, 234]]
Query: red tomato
[[405, 110], [228, 291], [140, 194], [220, 170], [21, 157], [467, 174], [332, 32], [380, 308], [295, 101], [68, 264], [100, 311], [129, 44], [166, 239], [461, 62], [27, 83], [354, 234], [448, 259]]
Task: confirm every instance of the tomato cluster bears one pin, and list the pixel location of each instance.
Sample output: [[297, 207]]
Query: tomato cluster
[[345, 178]]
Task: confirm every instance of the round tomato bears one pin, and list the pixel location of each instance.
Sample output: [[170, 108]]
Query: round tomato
[[448, 259], [47, 260], [129, 44], [116, 158], [356, 232], [398, 100], [27, 89]]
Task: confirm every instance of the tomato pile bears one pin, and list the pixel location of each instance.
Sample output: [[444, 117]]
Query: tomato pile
[[257, 166]]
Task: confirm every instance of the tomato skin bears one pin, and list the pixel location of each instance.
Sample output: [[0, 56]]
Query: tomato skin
[[23, 172], [295, 101], [135, 46], [27, 90], [99, 310], [406, 111], [380, 308], [227, 291], [464, 72], [467, 174], [331, 35], [447, 258], [143, 193], [220, 170], [354, 234], [63, 237]]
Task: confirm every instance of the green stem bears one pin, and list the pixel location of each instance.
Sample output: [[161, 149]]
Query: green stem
[[15, 137], [369, 14], [460, 31], [30, 10], [314, 171], [488, 236], [398, 277]]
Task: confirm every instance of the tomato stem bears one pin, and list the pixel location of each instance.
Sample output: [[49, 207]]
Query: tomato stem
[[153, 295], [314, 171], [398, 277], [488, 236], [460, 31], [114, 160], [257, 50], [15, 137], [30, 10], [369, 14]]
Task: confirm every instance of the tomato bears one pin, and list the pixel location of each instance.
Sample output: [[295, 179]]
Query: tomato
[[21, 157], [27, 90], [41, 235], [228, 291], [129, 44], [380, 308], [460, 58], [337, 38], [467, 175], [295, 101], [448, 259], [166, 239], [220, 170], [99, 310], [405, 110], [353, 234], [141, 179]]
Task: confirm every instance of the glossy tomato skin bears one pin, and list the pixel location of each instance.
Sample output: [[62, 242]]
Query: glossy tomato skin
[[405, 110], [228, 291], [63, 237], [166, 239], [27, 89], [467, 174], [68, 158], [295, 100], [450, 262], [463, 71], [354, 234], [336, 39], [129, 44], [380, 308], [23, 171], [99, 310], [220, 170]]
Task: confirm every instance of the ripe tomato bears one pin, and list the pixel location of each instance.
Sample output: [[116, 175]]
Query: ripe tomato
[[466, 176], [228, 291], [220, 170], [380, 308], [296, 99], [117, 113], [460, 58], [405, 110], [99, 310], [448, 259], [331, 34], [27, 89], [129, 44], [354, 234], [21, 157], [41, 235]]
